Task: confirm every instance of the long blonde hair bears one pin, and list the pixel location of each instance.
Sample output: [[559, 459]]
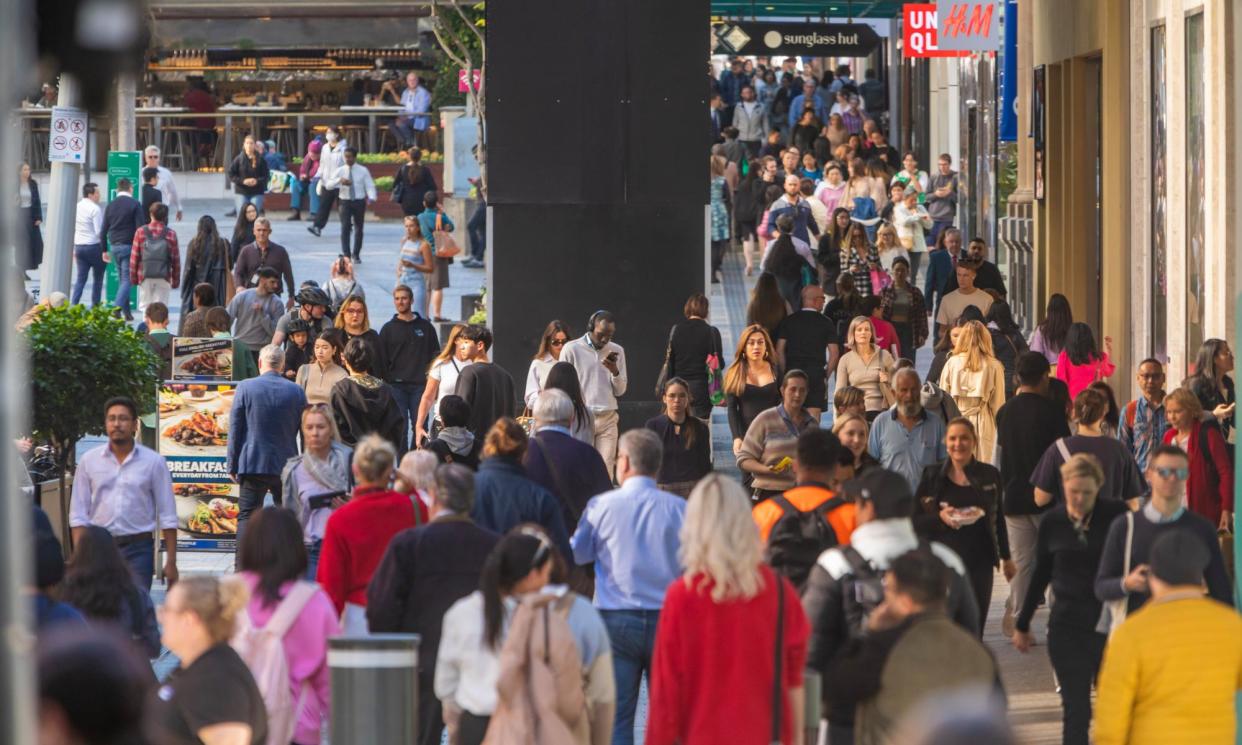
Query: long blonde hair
[[849, 335], [886, 232], [720, 541], [450, 345], [975, 343], [735, 376]]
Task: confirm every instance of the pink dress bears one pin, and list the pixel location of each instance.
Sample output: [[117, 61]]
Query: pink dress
[[1078, 377], [306, 650]]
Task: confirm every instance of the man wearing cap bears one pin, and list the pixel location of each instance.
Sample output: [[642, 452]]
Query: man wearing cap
[[1167, 472], [312, 308], [906, 439], [1172, 670], [846, 585]]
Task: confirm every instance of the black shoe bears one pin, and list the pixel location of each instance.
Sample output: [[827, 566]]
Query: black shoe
[[129, 317], [357, 259], [231, 213], [295, 216], [472, 264], [313, 230]]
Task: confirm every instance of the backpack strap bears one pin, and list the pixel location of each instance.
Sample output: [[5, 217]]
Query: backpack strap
[[1063, 449], [828, 506], [1131, 413], [859, 566], [787, 507], [290, 608]]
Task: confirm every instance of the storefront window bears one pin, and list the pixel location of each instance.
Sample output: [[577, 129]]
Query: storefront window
[[1196, 91], [1159, 196]]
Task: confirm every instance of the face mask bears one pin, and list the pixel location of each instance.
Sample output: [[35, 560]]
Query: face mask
[[331, 137]]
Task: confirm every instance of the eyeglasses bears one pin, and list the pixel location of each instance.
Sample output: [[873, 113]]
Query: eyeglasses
[[1180, 473], [353, 311]]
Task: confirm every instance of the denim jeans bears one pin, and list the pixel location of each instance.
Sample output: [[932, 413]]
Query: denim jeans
[[241, 200], [476, 228], [407, 396], [312, 558], [252, 489], [300, 190], [120, 257], [140, 555], [633, 640], [89, 259]]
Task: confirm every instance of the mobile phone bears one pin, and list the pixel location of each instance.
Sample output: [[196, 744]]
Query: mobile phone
[[612, 357]]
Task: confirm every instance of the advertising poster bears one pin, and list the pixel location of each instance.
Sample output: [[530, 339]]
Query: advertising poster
[[193, 438], [202, 359]]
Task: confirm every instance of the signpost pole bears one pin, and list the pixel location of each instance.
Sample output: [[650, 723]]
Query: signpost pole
[[62, 202]]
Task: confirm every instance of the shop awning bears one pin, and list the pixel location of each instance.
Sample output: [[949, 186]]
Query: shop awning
[[245, 24], [870, 9]]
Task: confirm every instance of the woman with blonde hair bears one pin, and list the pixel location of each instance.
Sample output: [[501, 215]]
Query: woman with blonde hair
[[858, 185], [751, 381], [853, 430], [317, 481], [866, 366], [728, 599], [888, 247], [1209, 486], [442, 376], [211, 697], [976, 380]]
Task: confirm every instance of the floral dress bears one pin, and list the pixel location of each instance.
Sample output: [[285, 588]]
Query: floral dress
[[720, 213]]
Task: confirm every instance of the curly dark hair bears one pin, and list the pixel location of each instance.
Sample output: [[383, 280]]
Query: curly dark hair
[[98, 581]]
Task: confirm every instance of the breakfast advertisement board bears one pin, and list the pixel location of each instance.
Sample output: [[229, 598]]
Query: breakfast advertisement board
[[193, 438]]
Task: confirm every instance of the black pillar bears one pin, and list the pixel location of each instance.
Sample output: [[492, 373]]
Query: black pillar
[[598, 143]]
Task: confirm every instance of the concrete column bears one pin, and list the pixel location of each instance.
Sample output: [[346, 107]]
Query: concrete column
[[62, 199], [125, 123]]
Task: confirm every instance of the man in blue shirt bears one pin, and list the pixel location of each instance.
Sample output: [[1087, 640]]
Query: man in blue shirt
[[1143, 422], [409, 128], [808, 98], [632, 535], [906, 438]]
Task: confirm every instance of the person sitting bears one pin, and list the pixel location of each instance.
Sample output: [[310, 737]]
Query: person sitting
[[455, 443]]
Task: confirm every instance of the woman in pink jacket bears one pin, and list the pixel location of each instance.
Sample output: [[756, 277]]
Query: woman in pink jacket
[[1080, 363], [272, 561]]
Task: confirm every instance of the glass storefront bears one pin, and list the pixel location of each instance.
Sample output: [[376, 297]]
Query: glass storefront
[[1158, 307], [1196, 92]]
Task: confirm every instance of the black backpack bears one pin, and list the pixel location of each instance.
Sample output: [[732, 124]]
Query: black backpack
[[798, 538]]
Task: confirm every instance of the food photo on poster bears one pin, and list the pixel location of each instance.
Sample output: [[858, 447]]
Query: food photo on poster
[[193, 438], [202, 359]]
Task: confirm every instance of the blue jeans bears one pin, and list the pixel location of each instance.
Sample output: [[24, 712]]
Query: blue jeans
[[633, 635], [297, 188], [140, 555], [408, 396], [241, 200], [312, 558], [251, 492], [89, 259], [476, 228], [120, 257]]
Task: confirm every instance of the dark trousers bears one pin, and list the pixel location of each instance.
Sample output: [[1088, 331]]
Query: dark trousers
[[905, 337], [407, 396], [353, 215], [980, 575], [916, 260], [325, 206], [140, 555], [252, 489], [1075, 655], [633, 640], [472, 729], [430, 711], [476, 228], [89, 260], [718, 249], [840, 734]]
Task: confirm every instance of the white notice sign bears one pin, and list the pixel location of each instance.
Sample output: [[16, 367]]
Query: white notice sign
[[66, 141]]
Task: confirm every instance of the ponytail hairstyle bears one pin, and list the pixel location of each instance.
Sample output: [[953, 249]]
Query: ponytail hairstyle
[[216, 602], [513, 558]]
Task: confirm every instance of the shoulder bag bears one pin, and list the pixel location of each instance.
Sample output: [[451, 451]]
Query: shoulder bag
[[446, 246], [1115, 611], [663, 377]]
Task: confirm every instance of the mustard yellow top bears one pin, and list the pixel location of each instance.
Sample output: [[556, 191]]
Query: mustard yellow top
[[1170, 674]]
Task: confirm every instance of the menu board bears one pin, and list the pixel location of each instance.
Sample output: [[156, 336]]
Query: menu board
[[202, 359], [193, 438]]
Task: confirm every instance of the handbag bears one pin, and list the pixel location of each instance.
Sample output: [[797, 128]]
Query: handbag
[[907, 241], [446, 247], [778, 659], [527, 422], [879, 281], [398, 187], [662, 378], [1115, 611], [715, 381]]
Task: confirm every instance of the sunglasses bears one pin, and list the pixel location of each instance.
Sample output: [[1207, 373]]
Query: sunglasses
[[1180, 473], [557, 342]]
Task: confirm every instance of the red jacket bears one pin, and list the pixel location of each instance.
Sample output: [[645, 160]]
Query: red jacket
[[357, 537], [1210, 487], [174, 256], [712, 673]]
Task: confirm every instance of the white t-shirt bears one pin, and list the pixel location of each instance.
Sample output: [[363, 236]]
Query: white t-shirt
[[446, 373], [952, 305]]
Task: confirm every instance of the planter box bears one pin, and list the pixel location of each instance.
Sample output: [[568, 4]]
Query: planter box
[[385, 208], [379, 170], [281, 202], [47, 496]]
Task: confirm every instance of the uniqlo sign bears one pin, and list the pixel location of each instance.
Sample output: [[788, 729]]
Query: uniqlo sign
[[950, 28]]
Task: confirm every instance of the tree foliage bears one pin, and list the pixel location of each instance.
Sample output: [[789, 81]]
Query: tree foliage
[[79, 358], [452, 28]]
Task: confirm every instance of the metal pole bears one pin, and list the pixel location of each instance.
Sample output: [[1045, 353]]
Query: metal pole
[[374, 688], [126, 125], [17, 679], [62, 200]]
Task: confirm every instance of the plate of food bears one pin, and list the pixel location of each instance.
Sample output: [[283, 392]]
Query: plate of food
[[216, 363], [964, 516], [170, 402], [217, 517], [195, 433]]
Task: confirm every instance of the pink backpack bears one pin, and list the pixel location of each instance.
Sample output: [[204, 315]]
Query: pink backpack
[[263, 650]]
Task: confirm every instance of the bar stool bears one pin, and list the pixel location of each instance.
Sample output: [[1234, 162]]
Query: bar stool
[[355, 136], [387, 143], [284, 135], [142, 133], [179, 143]]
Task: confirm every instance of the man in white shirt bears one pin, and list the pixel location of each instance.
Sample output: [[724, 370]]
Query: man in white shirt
[[356, 188], [125, 487], [88, 251], [409, 128], [600, 364], [166, 185]]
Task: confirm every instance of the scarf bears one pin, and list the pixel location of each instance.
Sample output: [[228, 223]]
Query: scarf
[[328, 471]]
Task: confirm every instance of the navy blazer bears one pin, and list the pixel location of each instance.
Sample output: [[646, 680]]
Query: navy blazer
[[569, 468], [264, 424], [504, 497]]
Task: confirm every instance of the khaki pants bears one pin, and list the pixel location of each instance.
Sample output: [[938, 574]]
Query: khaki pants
[[606, 439], [153, 291], [1023, 532]]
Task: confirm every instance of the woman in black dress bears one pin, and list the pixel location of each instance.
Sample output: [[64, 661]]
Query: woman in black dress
[[690, 342], [687, 441], [32, 217], [415, 180], [206, 260], [751, 383], [1212, 385], [960, 504], [243, 232]]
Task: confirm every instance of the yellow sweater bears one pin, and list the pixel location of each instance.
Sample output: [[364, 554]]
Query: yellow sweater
[[1170, 674]]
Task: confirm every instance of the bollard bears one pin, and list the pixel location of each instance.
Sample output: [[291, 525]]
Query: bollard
[[811, 689], [374, 688]]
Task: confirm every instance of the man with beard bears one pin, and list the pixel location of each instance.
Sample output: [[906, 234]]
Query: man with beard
[[904, 438]]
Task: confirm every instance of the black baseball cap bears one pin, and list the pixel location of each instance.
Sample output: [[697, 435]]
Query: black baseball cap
[[887, 490]]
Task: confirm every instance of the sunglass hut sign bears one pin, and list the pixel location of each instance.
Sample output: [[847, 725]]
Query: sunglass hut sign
[[816, 40]]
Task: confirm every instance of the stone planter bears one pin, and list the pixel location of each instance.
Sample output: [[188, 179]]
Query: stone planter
[[280, 202], [385, 208]]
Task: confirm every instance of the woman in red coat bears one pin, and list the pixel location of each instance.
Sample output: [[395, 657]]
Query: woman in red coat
[[1209, 491], [715, 653]]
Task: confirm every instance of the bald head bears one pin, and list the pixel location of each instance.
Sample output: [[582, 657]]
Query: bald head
[[813, 298], [793, 184]]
